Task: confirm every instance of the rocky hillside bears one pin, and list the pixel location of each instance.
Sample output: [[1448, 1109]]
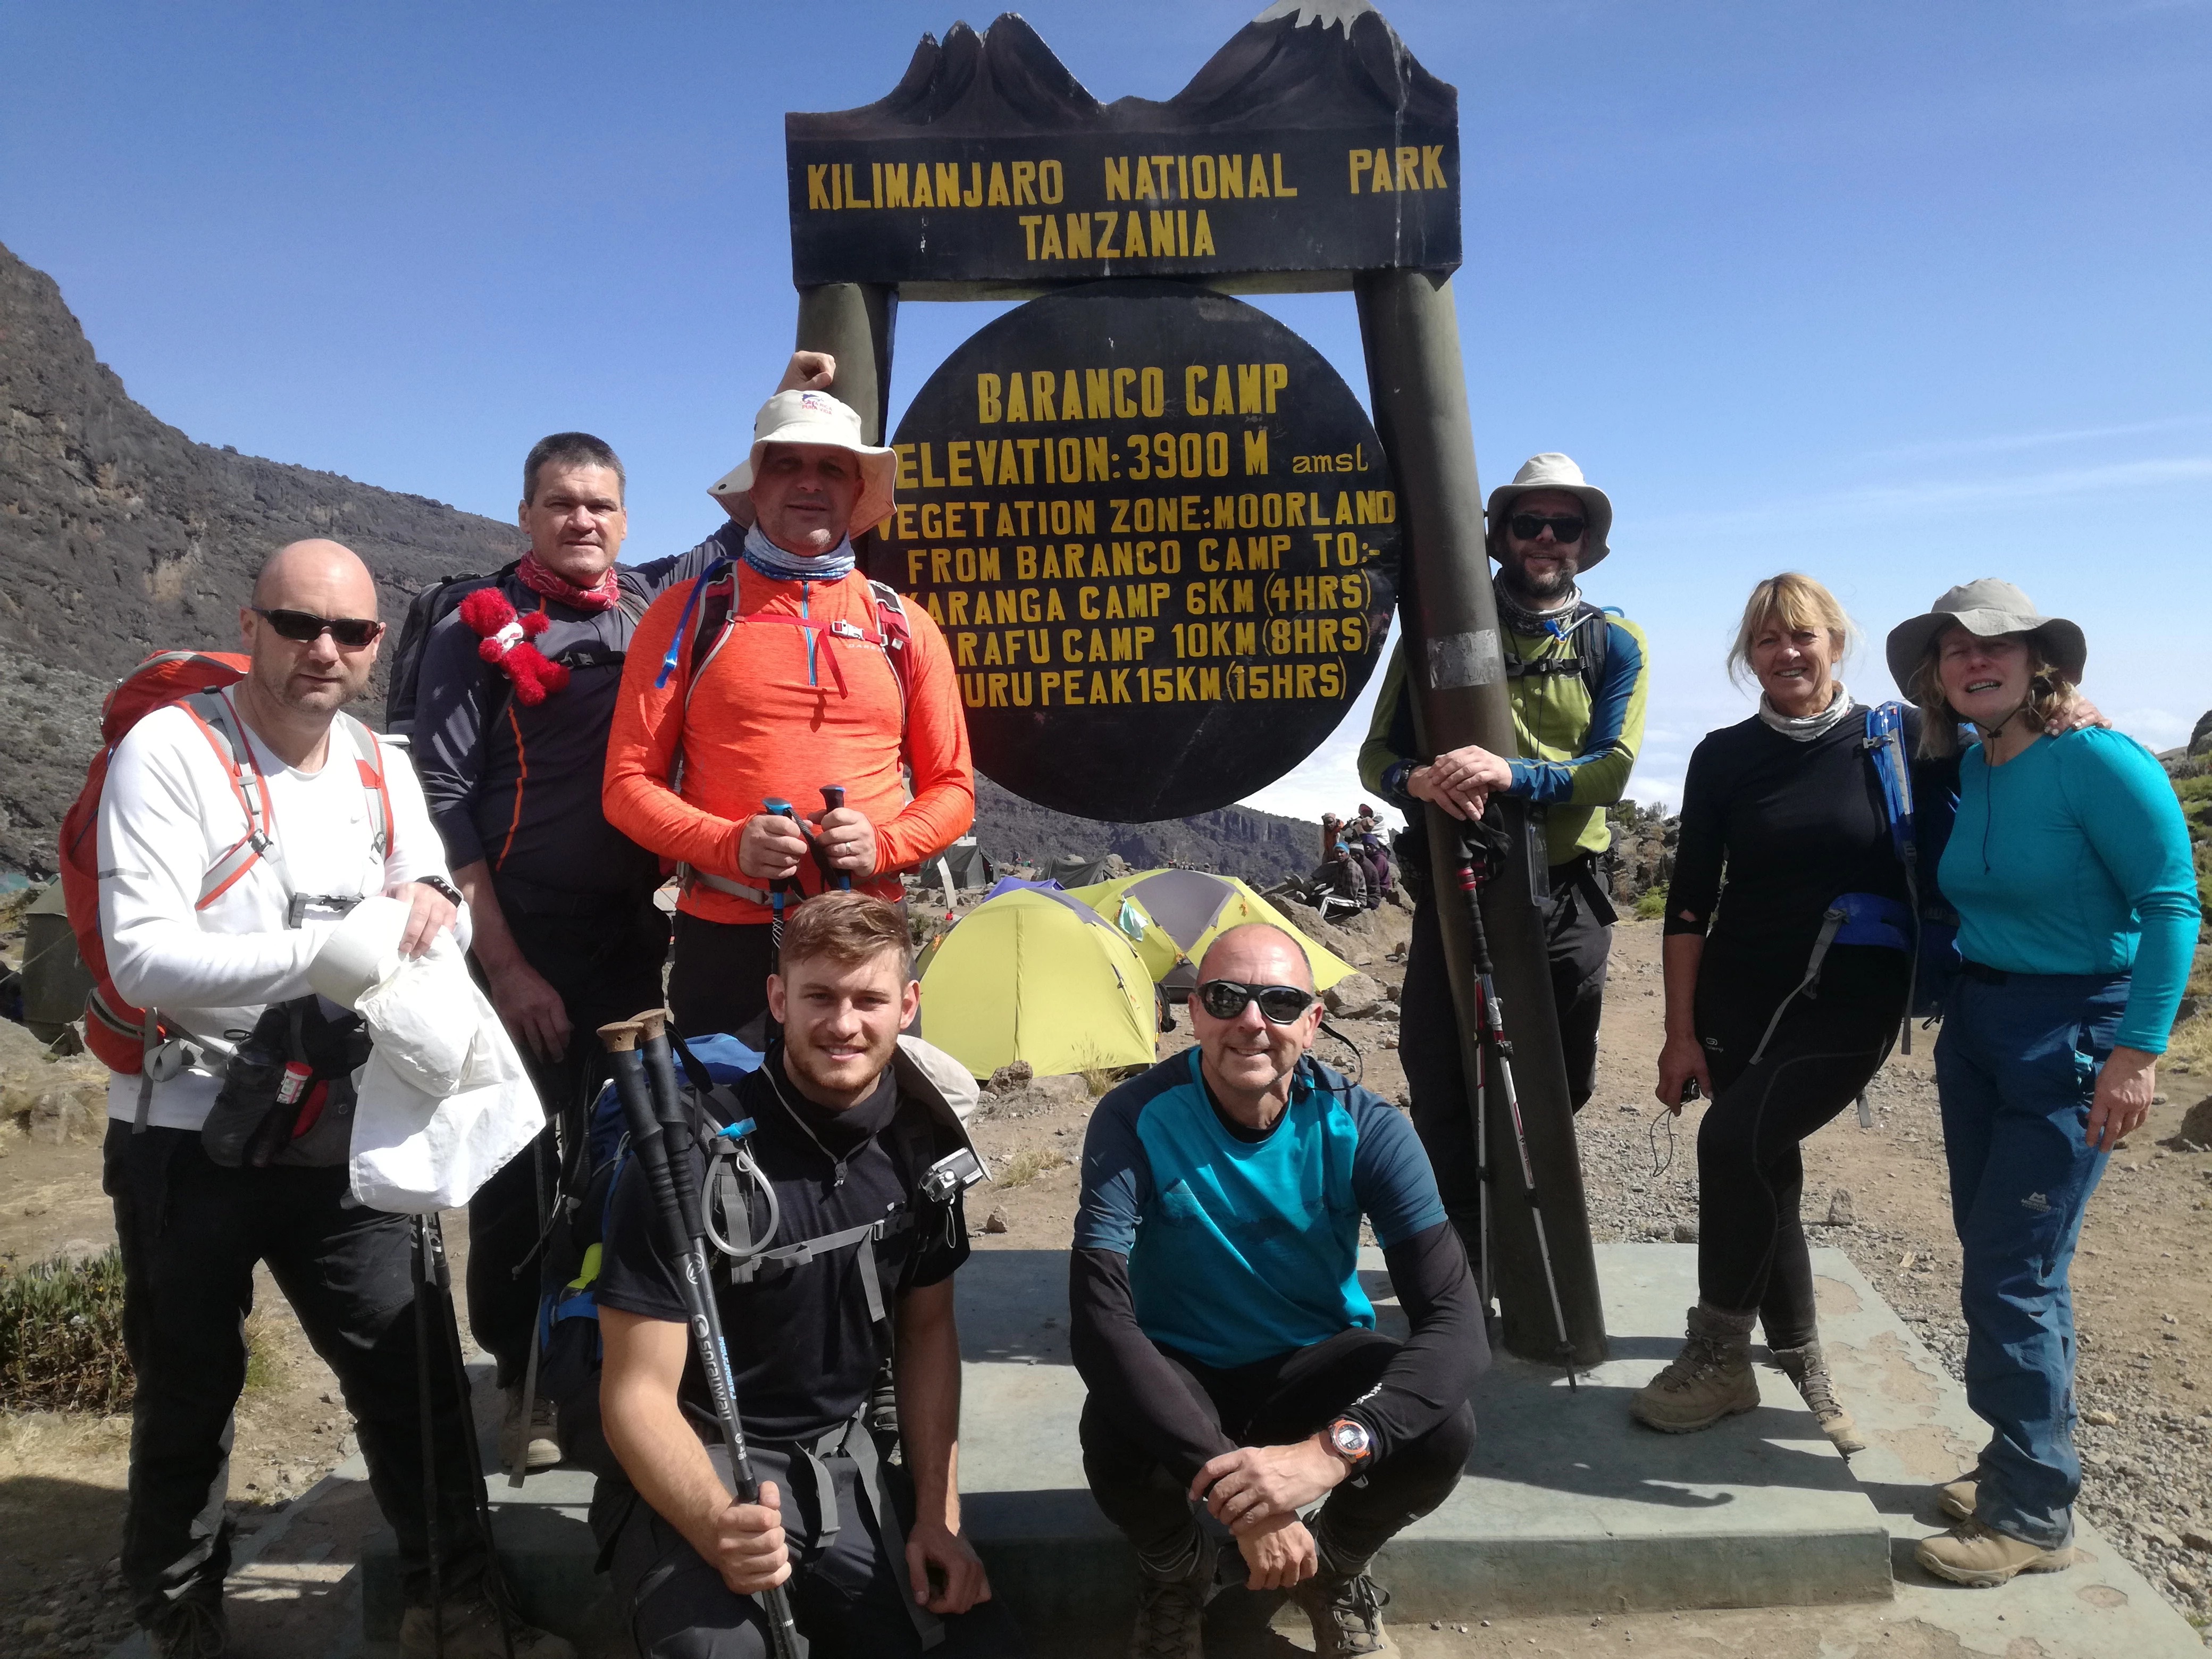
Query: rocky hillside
[[119, 535], [1260, 846]]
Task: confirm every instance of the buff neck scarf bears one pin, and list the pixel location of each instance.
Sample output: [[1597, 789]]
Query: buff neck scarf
[[765, 556], [1804, 728], [543, 578]]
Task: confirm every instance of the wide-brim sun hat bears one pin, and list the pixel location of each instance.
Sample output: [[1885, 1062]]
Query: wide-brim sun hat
[[815, 417], [1553, 470], [1986, 609]]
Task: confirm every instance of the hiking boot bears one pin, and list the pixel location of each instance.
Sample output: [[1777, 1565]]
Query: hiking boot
[[1959, 1499], [1808, 1370], [1983, 1558], [473, 1630], [536, 1439], [1170, 1611], [190, 1629], [1346, 1614], [1710, 1379]]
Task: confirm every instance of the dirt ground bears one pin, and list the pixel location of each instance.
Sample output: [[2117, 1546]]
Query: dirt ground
[[2142, 1286]]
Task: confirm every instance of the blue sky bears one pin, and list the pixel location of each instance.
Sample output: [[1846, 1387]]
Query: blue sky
[[1896, 294]]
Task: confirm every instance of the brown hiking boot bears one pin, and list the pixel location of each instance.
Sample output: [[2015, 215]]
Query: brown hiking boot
[[1710, 1379], [1983, 1558], [1346, 1615], [1171, 1612], [1959, 1498], [1808, 1370]]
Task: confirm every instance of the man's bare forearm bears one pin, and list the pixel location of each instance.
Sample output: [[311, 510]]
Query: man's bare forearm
[[667, 1462], [929, 1400]]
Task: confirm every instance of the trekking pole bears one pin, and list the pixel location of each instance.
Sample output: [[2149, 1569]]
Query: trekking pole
[[683, 1236], [429, 1426], [833, 800], [776, 806], [1475, 849]]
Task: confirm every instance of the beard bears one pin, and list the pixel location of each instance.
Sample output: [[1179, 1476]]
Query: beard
[[1542, 593]]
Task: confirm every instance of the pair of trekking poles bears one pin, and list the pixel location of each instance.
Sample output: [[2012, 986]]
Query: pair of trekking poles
[[653, 1110], [1483, 846]]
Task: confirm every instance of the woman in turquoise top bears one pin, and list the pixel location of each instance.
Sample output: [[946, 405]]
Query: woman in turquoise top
[[2069, 865]]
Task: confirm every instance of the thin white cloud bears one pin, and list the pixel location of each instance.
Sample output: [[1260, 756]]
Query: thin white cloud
[[2004, 443]]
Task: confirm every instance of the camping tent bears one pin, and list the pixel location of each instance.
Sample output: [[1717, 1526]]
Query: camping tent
[[963, 864], [1033, 976], [1190, 907], [1072, 870]]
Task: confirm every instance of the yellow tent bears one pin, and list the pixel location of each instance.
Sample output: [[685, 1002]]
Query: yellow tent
[[1182, 910], [1033, 976]]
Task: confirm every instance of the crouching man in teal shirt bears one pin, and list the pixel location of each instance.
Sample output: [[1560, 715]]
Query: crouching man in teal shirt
[[1230, 1354]]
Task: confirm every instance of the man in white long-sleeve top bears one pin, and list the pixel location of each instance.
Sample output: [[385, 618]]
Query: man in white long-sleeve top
[[235, 830]]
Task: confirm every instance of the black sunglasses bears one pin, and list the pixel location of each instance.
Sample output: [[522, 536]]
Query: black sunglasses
[[1226, 999], [305, 626], [1529, 526]]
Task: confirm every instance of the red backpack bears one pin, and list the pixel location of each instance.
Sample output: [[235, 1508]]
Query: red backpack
[[117, 1033]]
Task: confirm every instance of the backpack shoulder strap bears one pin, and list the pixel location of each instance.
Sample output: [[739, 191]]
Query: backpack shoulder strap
[[218, 722], [368, 761], [899, 643], [1885, 741], [1593, 636]]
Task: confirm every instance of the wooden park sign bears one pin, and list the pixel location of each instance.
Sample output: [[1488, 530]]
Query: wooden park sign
[[1159, 534], [1311, 146]]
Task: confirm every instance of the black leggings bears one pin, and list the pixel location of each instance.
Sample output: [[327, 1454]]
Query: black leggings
[[1750, 1171]]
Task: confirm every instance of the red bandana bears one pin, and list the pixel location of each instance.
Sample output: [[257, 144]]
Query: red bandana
[[541, 578]]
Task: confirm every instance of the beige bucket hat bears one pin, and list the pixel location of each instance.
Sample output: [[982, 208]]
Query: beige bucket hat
[[1553, 470], [1986, 608], [814, 417]]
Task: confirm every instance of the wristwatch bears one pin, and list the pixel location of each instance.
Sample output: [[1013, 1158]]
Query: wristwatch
[[1349, 1438], [444, 889]]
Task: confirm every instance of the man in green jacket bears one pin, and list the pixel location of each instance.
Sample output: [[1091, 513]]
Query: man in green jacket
[[1577, 677]]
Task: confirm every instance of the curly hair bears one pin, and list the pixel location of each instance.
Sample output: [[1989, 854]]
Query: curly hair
[[2049, 693]]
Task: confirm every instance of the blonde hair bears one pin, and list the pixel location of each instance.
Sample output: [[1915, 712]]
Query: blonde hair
[[1796, 601], [2049, 692]]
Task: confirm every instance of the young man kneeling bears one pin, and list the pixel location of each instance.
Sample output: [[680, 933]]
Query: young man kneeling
[[1219, 1322], [847, 1132]]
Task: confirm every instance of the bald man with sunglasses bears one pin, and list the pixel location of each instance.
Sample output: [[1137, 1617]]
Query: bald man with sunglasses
[[1230, 1352]]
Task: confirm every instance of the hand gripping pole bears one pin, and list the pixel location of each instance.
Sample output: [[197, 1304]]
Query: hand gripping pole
[[646, 1084]]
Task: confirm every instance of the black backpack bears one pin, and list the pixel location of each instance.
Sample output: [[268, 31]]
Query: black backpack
[[424, 613]]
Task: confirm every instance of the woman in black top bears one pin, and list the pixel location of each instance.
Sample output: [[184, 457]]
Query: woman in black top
[[1789, 801]]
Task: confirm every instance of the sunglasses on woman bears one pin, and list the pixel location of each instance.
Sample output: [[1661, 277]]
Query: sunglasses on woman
[[1281, 1004], [305, 626], [1529, 526]]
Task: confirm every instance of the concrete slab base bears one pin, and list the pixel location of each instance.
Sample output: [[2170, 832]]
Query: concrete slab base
[[1567, 1503]]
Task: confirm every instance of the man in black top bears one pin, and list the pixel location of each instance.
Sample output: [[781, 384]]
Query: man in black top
[[846, 1131], [567, 936]]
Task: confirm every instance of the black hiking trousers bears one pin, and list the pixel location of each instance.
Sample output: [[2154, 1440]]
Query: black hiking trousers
[[1751, 1167], [191, 1233], [605, 961], [1275, 1401], [1578, 938]]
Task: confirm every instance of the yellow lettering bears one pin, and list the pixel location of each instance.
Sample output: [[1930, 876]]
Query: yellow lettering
[[893, 188], [1432, 171], [1359, 159], [818, 188], [1132, 234], [1024, 183], [1117, 178], [1106, 224], [1018, 397], [1279, 377], [922, 197], [1409, 168], [987, 400], [1029, 222], [1145, 190], [948, 184], [973, 195], [1079, 236], [997, 196], [1194, 389], [1232, 175], [1380, 180], [1051, 238]]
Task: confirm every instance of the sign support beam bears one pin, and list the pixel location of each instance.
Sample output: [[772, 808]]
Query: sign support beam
[[1409, 325], [853, 322]]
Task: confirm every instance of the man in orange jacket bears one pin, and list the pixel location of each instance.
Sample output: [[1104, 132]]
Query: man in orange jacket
[[780, 672]]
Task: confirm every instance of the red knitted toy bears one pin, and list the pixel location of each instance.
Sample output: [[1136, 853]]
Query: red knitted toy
[[506, 640]]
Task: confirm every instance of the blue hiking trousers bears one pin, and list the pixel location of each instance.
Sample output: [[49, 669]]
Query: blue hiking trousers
[[2015, 1068]]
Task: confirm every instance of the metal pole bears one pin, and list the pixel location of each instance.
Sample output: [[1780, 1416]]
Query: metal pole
[[1456, 678]]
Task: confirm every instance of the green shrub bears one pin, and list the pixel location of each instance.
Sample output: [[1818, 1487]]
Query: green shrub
[[1651, 904], [61, 1337]]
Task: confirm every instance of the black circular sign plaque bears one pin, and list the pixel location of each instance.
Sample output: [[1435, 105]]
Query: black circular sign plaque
[[1161, 538]]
